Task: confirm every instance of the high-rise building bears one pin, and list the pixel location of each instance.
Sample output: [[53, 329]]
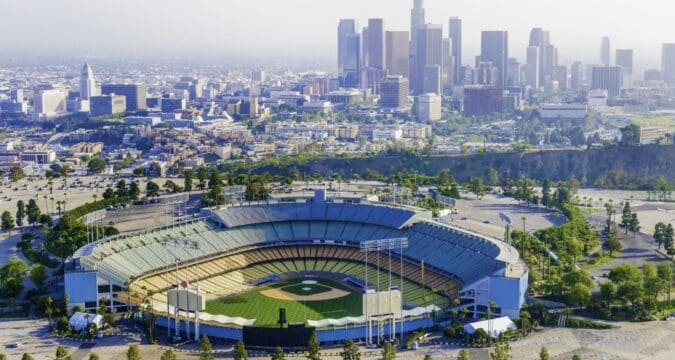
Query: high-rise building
[[135, 94], [513, 75], [538, 39], [624, 58], [258, 75], [394, 92], [495, 48], [559, 75], [364, 47], [429, 52], [485, 73], [605, 51], [346, 27], [352, 61], [107, 105], [483, 100], [428, 107], [417, 19], [16, 95], [532, 72], [576, 76], [455, 35], [431, 79], [447, 64], [607, 78], [398, 53], [668, 63], [49, 103], [169, 105], [376, 44], [87, 83]]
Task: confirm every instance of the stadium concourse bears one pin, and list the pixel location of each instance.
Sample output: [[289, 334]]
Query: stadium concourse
[[237, 251]]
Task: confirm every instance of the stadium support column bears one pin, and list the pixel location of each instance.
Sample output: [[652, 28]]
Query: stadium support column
[[168, 309], [197, 316], [368, 332], [392, 335], [401, 274]]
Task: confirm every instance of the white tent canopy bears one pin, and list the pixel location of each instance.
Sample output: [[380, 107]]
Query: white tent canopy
[[80, 321], [493, 327]]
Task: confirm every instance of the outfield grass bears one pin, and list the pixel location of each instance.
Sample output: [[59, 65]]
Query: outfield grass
[[254, 305]]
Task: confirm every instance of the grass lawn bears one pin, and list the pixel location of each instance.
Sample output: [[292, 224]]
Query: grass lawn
[[654, 120], [596, 260], [254, 305]]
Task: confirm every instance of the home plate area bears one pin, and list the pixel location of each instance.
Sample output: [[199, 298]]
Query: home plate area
[[305, 290]]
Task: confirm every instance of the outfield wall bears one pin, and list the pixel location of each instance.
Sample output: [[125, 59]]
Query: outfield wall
[[326, 336]]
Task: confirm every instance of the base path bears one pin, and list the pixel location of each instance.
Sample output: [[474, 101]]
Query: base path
[[283, 295]]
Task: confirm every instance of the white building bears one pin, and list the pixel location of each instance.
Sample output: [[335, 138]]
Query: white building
[[428, 107], [87, 83], [49, 103], [389, 133]]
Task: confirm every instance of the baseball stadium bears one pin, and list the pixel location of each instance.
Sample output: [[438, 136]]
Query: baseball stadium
[[342, 269]]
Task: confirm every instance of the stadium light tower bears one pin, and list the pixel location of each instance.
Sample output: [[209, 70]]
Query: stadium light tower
[[379, 245]]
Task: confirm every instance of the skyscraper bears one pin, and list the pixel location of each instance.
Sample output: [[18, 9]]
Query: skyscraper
[[495, 48], [398, 53], [513, 74], [431, 79], [538, 39], [559, 74], [87, 83], [346, 27], [624, 58], [352, 61], [532, 68], [394, 92], [429, 51], [607, 78], [668, 63], [455, 35], [605, 50], [576, 76], [447, 64], [417, 18], [376, 44]]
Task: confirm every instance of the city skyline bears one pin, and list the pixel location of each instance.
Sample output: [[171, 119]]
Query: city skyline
[[180, 29]]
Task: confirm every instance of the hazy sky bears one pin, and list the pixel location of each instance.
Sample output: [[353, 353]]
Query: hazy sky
[[282, 28]]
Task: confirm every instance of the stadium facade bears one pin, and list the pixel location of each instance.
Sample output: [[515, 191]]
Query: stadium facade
[[232, 239]]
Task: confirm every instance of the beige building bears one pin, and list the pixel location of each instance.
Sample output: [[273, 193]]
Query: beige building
[[428, 107], [653, 134]]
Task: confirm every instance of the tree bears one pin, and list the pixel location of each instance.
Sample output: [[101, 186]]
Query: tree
[[121, 188], [205, 349], [26, 356], [428, 357], [664, 272], [240, 352], [16, 173], [624, 273], [626, 216], [96, 165], [501, 352], [634, 223], [543, 353], [388, 352], [350, 351], [313, 349], [11, 277], [33, 212], [3, 357], [94, 356], [189, 176], [134, 191], [7, 222], [133, 353], [278, 354], [477, 187], [546, 193], [630, 135], [20, 212], [463, 355], [612, 244], [38, 274], [576, 357], [170, 355], [62, 353], [607, 293], [151, 189]]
